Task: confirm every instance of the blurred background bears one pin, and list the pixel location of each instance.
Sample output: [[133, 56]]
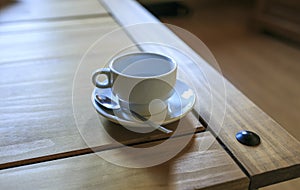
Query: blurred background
[[257, 45]]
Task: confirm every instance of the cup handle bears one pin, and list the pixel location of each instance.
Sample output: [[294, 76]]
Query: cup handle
[[102, 71]]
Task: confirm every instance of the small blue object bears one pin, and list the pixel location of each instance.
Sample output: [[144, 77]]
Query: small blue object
[[248, 138]]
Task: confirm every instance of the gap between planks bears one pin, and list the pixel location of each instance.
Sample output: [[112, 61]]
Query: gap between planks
[[65, 18], [90, 150]]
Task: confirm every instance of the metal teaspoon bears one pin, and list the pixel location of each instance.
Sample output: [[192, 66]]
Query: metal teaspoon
[[108, 103]]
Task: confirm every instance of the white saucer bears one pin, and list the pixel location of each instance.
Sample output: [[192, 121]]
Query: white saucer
[[179, 104]]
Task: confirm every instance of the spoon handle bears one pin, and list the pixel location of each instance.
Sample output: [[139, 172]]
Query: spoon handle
[[150, 123]]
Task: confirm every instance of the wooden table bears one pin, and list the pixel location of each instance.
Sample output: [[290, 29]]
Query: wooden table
[[43, 44]]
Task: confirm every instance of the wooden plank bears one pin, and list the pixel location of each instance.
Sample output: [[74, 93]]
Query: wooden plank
[[29, 10], [43, 40], [50, 26], [274, 160], [199, 166], [37, 70], [247, 59]]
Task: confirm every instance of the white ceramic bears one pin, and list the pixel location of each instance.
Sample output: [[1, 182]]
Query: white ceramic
[[179, 104], [138, 79]]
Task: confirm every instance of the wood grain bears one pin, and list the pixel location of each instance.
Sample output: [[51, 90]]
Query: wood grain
[[38, 64], [271, 162], [265, 68], [30, 10], [199, 166], [58, 39]]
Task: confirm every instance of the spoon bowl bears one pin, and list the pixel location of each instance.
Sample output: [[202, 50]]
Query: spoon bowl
[[107, 102]]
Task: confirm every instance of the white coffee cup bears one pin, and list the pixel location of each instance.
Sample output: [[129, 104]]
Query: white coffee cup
[[140, 81]]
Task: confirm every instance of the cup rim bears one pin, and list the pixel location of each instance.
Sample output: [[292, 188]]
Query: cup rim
[[143, 77]]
